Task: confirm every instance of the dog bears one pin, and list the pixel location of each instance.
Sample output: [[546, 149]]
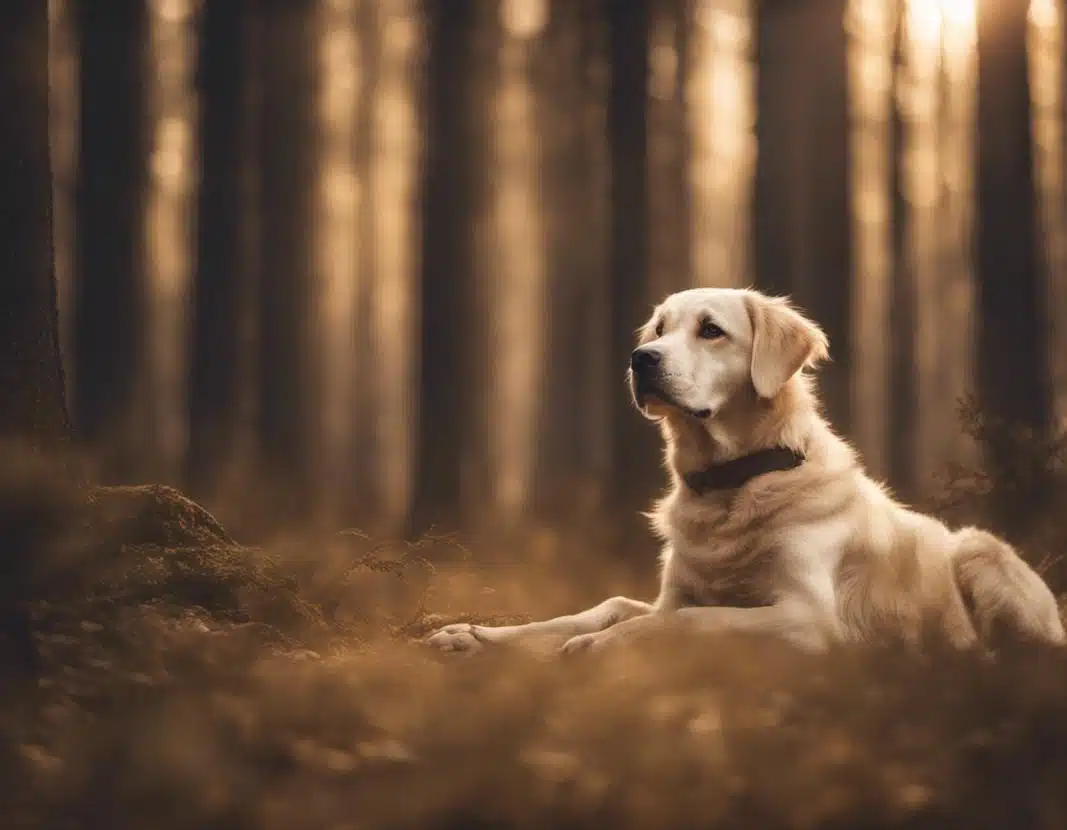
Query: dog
[[770, 526]]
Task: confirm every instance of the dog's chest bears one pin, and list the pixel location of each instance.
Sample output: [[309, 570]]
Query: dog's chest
[[727, 551], [738, 570]]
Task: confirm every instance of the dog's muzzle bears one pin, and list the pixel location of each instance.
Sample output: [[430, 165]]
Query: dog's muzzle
[[645, 361], [646, 373]]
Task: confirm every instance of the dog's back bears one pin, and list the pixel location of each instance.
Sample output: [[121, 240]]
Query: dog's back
[[1004, 595]]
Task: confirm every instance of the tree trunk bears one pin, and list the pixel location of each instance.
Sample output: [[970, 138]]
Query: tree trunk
[[572, 452], [778, 236], [391, 194], [871, 90], [1011, 342], [366, 454], [670, 252], [556, 65], [31, 375], [222, 275], [599, 365], [635, 450], [452, 412], [1049, 51], [903, 390], [110, 295], [802, 205], [288, 374]]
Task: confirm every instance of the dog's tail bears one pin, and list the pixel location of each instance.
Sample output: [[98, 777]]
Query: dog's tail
[[1004, 594]]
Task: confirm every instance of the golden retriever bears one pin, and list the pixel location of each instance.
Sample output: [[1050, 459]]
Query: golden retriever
[[770, 524]]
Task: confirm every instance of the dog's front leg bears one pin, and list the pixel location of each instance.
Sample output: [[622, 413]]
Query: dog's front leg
[[547, 634], [791, 621]]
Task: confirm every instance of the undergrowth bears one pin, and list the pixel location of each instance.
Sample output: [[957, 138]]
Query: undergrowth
[[1019, 488], [189, 681]]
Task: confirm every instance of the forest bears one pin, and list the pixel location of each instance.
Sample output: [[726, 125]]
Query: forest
[[314, 317]]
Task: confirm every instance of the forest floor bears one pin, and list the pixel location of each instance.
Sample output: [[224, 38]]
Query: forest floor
[[188, 681]]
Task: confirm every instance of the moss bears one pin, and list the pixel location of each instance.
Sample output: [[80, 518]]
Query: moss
[[154, 514], [129, 545]]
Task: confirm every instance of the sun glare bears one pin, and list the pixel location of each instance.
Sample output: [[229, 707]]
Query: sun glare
[[927, 19], [958, 12], [524, 18]]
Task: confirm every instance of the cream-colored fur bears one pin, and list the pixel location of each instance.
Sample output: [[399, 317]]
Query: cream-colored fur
[[819, 554]]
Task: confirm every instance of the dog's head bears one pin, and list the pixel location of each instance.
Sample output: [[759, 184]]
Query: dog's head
[[705, 347]]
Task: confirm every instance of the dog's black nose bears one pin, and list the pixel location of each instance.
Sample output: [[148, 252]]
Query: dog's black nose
[[644, 359]]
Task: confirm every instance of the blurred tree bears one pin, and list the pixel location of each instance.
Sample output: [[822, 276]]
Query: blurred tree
[[385, 111], [1012, 358], [222, 286], [288, 379], [452, 410], [112, 174], [636, 473], [903, 391], [599, 374], [556, 66], [670, 251], [572, 450], [365, 451], [870, 62], [802, 230], [31, 373]]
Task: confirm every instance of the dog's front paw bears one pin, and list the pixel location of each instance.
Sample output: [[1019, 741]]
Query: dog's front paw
[[583, 643], [461, 637]]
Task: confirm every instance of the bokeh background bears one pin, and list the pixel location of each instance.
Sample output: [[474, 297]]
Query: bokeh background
[[380, 262]]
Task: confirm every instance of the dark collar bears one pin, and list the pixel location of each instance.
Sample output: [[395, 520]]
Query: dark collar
[[731, 475]]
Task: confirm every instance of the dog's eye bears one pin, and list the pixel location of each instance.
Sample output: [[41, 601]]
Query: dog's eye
[[659, 329], [709, 331]]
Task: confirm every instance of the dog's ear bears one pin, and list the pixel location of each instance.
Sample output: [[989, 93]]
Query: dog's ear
[[784, 342]]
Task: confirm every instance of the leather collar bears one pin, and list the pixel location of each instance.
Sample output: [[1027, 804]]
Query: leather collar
[[732, 475]]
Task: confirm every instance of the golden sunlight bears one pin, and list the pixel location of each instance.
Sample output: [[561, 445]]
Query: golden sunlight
[[936, 96], [169, 226], [367, 230], [918, 95], [870, 60], [953, 314], [524, 18], [338, 206], [935, 91], [393, 166], [928, 19], [515, 270], [923, 21], [957, 13], [722, 133]]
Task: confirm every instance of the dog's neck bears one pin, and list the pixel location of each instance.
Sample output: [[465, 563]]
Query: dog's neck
[[748, 427], [732, 475]]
